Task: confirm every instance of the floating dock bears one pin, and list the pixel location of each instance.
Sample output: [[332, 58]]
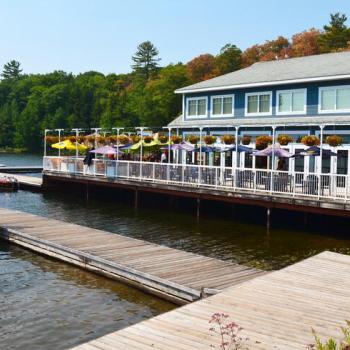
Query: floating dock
[[26, 182], [21, 169], [171, 274], [276, 311]]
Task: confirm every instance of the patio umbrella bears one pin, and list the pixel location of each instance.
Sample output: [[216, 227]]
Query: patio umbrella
[[232, 148], [107, 150], [270, 151], [61, 145], [66, 144], [72, 147], [314, 151]]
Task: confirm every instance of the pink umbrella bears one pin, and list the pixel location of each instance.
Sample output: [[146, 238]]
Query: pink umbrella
[[108, 150], [270, 151]]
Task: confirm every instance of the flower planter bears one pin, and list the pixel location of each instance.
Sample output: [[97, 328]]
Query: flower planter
[[284, 140], [246, 140], [310, 140], [334, 140], [228, 139]]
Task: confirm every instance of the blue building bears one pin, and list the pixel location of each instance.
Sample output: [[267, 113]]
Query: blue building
[[297, 96]]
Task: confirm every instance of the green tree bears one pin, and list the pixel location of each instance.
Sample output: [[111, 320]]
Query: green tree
[[12, 70], [146, 60], [336, 35], [229, 59]]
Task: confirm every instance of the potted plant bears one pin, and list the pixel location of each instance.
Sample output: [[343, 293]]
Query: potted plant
[[163, 139], [148, 138], [246, 139], [228, 139], [176, 139], [209, 139], [123, 139], [334, 140], [193, 139], [262, 142], [310, 140], [283, 140]]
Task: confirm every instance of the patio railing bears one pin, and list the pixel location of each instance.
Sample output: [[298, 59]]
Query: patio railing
[[295, 184]]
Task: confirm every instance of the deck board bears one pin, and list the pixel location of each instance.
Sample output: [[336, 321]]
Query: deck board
[[177, 274], [276, 311]]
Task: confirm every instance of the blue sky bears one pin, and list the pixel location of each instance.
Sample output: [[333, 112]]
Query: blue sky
[[102, 35]]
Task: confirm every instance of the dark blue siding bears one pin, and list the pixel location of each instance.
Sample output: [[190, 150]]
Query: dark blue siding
[[239, 108]]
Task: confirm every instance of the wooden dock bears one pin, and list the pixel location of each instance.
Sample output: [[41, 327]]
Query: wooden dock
[[21, 169], [26, 182], [276, 311], [169, 273]]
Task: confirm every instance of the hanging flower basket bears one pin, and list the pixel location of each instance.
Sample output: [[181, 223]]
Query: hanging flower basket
[[80, 138], [246, 139], [123, 139], [71, 138], [193, 139], [310, 140], [135, 138], [148, 139], [101, 140], [209, 139], [262, 142], [90, 139], [112, 139], [51, 139], [176, 139], [334, 140], [284, 140], [228, 139], [163, 139]]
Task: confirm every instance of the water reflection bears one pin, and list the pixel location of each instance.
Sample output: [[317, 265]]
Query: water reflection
[[225, 239], [45, 304]]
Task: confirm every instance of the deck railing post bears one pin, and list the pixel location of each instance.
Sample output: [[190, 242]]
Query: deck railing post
[[273, 158], [154, 172], [320, 167]]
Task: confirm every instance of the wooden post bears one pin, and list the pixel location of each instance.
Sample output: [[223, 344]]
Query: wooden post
[[198, 208], [136, 199], [306, 219], [268, 218]]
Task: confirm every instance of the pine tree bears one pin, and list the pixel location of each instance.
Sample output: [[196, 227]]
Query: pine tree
[[146, 60], [336, 35], [11, 70]]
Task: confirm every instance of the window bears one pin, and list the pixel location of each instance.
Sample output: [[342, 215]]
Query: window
[[291, 101], [222, 105], [258, 103], [334, 99], [197, 107]]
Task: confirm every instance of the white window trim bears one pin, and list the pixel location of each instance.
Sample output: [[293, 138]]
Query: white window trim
[[196, 99], [222, 115], [278, 92], [254, 94], [335, 111]]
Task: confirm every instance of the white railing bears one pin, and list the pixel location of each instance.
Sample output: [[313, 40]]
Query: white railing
[[295, 184]]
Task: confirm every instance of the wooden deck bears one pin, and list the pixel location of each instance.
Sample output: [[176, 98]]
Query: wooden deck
[[169, 273], [276, 311], [26, 181]]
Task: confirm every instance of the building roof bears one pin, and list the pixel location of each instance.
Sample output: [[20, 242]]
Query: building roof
[[292, 70], [260, 122]]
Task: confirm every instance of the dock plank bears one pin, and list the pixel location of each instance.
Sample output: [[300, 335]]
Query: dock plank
[[276, 311]]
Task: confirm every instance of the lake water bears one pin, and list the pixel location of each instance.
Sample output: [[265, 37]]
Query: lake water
[[225, 239]]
